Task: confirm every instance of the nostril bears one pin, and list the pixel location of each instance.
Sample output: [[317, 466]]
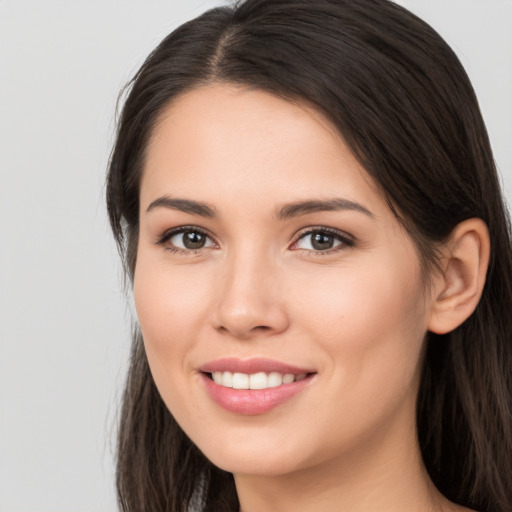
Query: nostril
[[244, 333]]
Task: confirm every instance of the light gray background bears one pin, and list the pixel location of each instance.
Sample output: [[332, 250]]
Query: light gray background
[[63, 321]]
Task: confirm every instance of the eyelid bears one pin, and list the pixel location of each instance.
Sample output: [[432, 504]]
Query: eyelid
[[164, 237], [345, 238]]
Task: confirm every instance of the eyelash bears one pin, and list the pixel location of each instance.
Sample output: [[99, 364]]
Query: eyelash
[[167, 235], [346, 240]]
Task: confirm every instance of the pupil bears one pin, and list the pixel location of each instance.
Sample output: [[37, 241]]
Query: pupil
[[321, 241], [193, 240]]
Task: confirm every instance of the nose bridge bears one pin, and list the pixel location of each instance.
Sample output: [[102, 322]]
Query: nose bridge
[[249, 300]]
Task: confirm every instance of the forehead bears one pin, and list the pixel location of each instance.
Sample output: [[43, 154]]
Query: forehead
[[223, 142]]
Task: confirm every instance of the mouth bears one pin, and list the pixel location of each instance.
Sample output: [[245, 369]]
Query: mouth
[[259, 380], [254, 386]]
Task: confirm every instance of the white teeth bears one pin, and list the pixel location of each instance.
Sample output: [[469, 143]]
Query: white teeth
[[288, 378], [275, 379], [227, 379], [260, 380], [240, 381]]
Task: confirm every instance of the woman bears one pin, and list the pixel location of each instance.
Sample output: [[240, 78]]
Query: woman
[[305, 199]]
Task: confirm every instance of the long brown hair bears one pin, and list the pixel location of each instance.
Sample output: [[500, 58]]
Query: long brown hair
[[405, 106]]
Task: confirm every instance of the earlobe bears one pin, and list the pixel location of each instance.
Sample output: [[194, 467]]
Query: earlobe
[[458, 287]]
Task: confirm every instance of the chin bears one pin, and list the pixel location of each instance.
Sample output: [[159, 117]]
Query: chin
[[255, 464], [260, 453]]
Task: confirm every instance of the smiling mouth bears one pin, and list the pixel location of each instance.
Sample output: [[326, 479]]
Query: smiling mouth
[[253, 386], [254, 381]]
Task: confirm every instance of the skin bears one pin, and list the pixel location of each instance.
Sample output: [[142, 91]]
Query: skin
[[357, 314]]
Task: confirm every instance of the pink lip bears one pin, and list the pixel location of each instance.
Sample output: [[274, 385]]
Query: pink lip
[[234, 365], [252, 401]]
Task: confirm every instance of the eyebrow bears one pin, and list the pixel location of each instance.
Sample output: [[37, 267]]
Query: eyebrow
[[184, 205], [312, 206], [286, 211]]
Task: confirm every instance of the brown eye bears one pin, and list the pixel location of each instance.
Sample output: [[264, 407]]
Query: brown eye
[[193, 240], [322, 240], [190, 239]]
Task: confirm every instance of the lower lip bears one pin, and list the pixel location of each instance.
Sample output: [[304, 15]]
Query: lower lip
[[253, 401]]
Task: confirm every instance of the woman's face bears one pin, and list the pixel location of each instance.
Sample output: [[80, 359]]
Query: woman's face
[[268, 259]]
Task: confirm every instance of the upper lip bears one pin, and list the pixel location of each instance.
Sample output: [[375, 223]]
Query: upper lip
[[250, 366]]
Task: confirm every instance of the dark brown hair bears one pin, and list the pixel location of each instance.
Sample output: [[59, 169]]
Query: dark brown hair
[[403, 103]]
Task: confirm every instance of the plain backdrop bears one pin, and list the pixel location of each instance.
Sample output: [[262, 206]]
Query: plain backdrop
[[64, 325]]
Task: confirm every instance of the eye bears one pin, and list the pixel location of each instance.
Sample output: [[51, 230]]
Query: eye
[[190, 240], [322, 240], [186, 239]]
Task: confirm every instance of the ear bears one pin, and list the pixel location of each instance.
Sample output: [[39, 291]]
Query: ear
[[458, 287]]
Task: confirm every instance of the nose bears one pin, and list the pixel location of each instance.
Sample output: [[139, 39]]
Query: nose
[[250, 300]]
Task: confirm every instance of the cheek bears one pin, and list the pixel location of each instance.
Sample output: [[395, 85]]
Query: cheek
[[168, 302], [368, 298], [168, 308], [369, 320], [370, 326]]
